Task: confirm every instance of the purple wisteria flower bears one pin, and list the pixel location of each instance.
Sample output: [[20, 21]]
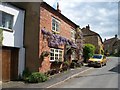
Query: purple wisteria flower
[[44, 31]]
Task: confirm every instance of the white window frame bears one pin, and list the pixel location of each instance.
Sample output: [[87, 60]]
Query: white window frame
[[73, 35], [73, 55], [56, 53], [56, 21], [7, 28]]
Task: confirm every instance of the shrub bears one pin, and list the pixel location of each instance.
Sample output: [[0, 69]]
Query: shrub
[[73, 65], [78, 64], [88, 51], [66, 63], [37, 77], [44, 54], [26, 73]]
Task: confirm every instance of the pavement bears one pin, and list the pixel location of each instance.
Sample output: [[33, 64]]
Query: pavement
[[54, 80]]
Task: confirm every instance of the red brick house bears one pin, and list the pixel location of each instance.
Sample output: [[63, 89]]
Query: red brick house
[[49, 37], [60, 33]]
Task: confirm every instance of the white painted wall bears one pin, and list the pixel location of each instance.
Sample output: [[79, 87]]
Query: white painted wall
[[21, 62], [15, 38]]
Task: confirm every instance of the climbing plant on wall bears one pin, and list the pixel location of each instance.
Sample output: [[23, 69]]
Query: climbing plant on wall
[[55, 40], [1, 36]]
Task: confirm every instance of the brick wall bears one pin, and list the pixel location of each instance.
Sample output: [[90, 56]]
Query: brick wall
[[46, 21]]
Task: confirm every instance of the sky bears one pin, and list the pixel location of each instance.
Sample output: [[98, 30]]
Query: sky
[[101, 16]]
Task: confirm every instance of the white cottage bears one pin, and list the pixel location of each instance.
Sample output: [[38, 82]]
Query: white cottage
[[13, 51]]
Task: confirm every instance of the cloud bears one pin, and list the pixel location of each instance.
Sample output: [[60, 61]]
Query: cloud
[[102, 16]]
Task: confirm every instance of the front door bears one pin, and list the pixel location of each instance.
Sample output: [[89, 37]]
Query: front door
[[9, 63], [6, 57]]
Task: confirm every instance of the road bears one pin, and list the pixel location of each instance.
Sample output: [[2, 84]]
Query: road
[[105, 77]]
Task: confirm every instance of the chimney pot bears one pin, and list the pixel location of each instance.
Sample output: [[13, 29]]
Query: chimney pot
[[58, 8], [116, 36]]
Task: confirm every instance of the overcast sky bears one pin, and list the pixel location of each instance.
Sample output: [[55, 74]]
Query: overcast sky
[[101, 16]]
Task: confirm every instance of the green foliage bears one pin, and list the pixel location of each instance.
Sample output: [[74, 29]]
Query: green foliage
[[37, 77], [1, 36], [26, 73], [44, 54], [88, 51], [66, 63], [73, 64]]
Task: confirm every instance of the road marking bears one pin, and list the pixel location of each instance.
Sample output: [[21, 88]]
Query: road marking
[[68, 78]]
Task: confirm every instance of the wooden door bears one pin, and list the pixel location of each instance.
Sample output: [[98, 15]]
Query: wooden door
[[14, 64], [6, 56]]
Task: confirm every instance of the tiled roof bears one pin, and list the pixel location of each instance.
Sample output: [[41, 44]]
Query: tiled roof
[[110, 41], [87, 32]]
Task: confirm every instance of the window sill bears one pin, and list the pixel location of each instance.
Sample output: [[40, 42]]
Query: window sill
[[52, 61], [6, 29], [56, 61], [55, 32]]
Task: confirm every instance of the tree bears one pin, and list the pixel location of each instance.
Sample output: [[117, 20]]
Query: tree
[[88, 51]]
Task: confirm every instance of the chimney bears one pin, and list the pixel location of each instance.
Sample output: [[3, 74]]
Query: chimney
[[105, 39], [116, 36], [58, 8], [88, 27]]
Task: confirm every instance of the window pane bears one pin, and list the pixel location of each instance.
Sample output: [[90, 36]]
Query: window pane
[[60, 59], [51, 58], [56, 51], [55, 25], [51, 54], [53, 28], [56, 55], [53, 20], [52, 50], [7, 20], [60, 52], [56, 58]]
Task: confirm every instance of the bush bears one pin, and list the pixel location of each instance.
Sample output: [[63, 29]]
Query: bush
[[66, 63], [73, 65], [37, 77], [79, 65], [66, 66], [88, 51], [26, 73]]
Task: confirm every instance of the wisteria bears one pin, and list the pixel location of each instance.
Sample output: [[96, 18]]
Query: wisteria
[[55, 40]]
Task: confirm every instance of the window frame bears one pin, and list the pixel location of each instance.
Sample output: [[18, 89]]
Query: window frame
[[56, 52], [12, 21], [72, 32], [57, 25]]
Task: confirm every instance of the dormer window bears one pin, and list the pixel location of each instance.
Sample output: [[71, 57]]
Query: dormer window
[[55, 25]]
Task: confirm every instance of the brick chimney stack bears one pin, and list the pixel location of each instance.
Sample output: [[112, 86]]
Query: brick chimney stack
[[88, 27], [115, 35], [58, 8]]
